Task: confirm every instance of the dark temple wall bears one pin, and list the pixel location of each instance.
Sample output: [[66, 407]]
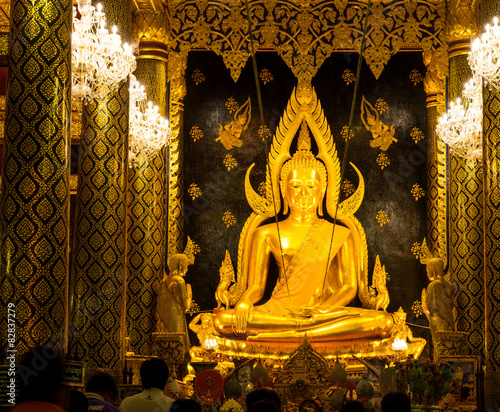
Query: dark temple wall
[[393, 212]]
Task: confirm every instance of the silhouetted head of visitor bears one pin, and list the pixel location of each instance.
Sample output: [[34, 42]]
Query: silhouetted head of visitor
[[40, 376], [185, 405], [104, 385], [395, 402], [154, 373], [262, 397], [353, 406]]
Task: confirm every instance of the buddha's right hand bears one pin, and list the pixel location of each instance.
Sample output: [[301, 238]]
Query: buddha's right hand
[[243, 312]]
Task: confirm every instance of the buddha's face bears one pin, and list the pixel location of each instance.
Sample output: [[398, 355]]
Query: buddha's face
[[303, 190]]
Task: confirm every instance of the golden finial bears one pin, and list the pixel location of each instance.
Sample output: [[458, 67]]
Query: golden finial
[[304, 141]]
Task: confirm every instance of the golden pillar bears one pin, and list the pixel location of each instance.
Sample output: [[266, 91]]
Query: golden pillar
[[437, 240], [99, 252], [491, 165], [177, 63], [466, 195], [34, 213], [146, 197]]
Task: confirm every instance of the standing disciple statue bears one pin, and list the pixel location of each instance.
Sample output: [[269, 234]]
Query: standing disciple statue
[[174, 298], [322, 266], [438, 298]]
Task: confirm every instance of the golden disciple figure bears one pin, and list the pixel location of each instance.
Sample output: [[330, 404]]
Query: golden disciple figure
[[174, 297], [318, 269], [438, 299]]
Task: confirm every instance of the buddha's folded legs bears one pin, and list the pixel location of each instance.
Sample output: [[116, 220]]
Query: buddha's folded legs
[[343, 324]]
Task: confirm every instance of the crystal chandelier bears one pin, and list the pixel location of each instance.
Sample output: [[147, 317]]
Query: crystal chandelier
[[99, 61], [148, 130], [484, 57], [462, 125]]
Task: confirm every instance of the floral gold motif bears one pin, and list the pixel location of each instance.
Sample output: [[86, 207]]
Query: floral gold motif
[[417, 192], [194, 191], [264, 133], [416, 77], [266, 76], [198, 77], [382, 218], [348, 188], [196, 133], [348, 77], [381, 105], [417, 308], [417, 135], [416, 249], [228, 219], [230, 162], [383, 161], [232, 105], [347, 133]]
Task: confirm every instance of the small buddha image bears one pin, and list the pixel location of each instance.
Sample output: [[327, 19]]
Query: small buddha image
[[438, 298], [174, 297]]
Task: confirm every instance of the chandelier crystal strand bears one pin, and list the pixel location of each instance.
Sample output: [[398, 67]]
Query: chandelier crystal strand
[[100, 62], [149, 132], [484, 57], [461, 126]]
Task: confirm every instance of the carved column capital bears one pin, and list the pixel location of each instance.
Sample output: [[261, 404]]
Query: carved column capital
[[150, 25], [436, 62], [461, 24]]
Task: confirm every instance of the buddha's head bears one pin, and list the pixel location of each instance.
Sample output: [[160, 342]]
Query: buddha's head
[[303, 179]]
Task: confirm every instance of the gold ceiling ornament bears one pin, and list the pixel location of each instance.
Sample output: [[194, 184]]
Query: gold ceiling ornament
[[309, 33]]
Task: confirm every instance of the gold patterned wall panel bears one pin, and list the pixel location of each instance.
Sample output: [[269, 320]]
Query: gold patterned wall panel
[[176, 72], [466, 229], [492, 242], [100, 252], [305, 33], [34, 213], [146, 250], [153, 75], [146, 211], [491, 164], [119, 14]]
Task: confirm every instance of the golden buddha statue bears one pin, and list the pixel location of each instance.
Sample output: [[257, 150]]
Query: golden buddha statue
[[322, 266]]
